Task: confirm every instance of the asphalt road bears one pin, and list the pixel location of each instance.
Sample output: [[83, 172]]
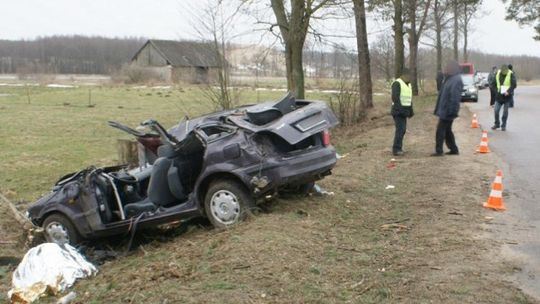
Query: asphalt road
[[519, 227]]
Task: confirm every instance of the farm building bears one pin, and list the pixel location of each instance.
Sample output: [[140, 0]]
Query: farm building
[[178, 61]]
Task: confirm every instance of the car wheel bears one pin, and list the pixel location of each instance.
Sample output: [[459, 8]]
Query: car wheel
[[58, 229], [227, 202]]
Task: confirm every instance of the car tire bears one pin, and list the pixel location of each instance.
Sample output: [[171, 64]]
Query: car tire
[[227, 202], [59, 229]]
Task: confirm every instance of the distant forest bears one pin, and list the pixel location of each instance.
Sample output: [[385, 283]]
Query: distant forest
[[67, 55], [99, 55]]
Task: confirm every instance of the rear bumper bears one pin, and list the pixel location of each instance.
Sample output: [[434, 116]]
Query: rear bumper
[[302, 168], [469, 96]]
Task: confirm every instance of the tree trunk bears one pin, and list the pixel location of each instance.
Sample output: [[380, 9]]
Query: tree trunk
[[413, 59], [465, 32], [438, 33], [297, 69], [364, 64], [293, 28], [456, 30], [413, 46], [288, 66], [399, 47]]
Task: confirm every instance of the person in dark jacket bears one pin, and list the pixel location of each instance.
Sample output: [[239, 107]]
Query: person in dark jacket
[[447, 109], [492, 90], [402, 109], [505, 83]]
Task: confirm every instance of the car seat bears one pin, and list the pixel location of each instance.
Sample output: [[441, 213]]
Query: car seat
[[164, 188]]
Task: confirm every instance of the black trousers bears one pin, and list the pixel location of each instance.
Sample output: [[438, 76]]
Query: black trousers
[[401, 128], [445, 134], [493, 94]]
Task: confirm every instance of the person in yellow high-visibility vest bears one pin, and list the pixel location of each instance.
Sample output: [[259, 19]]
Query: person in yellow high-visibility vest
[[504, 83], [402, 108]]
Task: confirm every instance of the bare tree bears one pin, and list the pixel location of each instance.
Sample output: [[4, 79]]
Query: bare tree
[[364, 64], [382, 56], [393, 10], [417, 25], [455, 6], [470, 10], [440, 21], [399, 33], [213, 24], [293, 19]]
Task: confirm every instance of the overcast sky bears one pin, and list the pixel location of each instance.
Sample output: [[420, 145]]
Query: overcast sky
[[167, 19]]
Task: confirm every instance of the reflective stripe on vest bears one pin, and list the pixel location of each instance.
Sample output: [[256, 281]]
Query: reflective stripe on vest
[[405, 93], [507, 80]]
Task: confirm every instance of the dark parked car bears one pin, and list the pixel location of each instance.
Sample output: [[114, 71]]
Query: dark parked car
[[217, 166], [470, 91]]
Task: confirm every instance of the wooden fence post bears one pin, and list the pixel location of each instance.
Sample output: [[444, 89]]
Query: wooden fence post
[[127, 152]]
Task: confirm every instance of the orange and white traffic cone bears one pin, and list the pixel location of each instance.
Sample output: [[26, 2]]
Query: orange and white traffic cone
[[495, 200], [483, 148], [474, 123]]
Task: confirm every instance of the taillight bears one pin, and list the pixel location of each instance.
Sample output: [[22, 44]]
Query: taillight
[[326, 138]]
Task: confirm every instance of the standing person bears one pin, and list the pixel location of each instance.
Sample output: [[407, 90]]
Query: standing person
[[505, 83], [402, 109], [492, 89], [511, 68], [447, 109]]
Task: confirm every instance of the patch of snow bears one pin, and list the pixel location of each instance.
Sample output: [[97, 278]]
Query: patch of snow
[[60, 86]]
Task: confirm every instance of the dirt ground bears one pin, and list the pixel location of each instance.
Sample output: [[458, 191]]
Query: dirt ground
[[423, 242]]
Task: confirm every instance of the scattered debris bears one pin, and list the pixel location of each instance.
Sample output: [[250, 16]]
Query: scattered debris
[[390, 187], [318, 190], [339, 156], [455, 213], [48, 269], [399, 227]]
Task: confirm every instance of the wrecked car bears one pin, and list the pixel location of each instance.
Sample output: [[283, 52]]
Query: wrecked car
[[218, 166]]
